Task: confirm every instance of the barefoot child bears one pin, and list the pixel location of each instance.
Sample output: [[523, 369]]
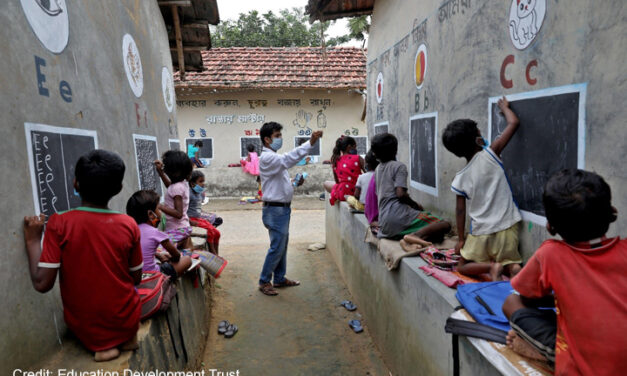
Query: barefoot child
[[582, 275], [398, 214], [143, 207], [197, 217], [492, 245], [175, 170], [98, 254]]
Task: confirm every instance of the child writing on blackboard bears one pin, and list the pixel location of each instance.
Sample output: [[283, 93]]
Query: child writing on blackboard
[[399, 215], [582, 275], [98, 253], [193, 152], [482, 189], [175, 170], [197, 218], [143, 207], [251, 163]]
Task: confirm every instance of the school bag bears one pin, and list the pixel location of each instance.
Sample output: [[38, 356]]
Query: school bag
[[156, 292], [484, 302]]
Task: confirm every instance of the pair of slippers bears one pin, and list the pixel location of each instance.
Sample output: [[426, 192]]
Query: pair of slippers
[[227, 329], [316, 247], [354, 324]]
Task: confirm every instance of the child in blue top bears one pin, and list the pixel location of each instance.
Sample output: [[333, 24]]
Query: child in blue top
[[483, 189]]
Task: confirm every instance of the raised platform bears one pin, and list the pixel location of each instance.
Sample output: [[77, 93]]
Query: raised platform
[[405, 310], [163, 344]]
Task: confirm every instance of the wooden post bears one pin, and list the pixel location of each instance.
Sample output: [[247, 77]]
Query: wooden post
[[179, 41]]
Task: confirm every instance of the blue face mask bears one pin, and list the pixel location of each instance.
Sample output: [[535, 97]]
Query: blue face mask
[[483, 143], [353, 152], [276, 144], [198, 189]]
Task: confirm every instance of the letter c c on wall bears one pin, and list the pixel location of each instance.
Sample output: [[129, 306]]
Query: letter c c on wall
[[530, 80], [508, 84]]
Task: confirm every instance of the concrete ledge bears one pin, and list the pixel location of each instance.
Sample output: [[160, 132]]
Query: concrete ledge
[[233, 182], [158, 348], [405, 310]]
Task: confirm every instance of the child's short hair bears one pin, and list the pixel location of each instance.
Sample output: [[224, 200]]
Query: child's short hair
[[384, 146], [267, 129], [99, 174], [578, 205], [140, 202], [460, 137], [196, 174], [177, 165], [250, 148], [371, 161], [198, 143]]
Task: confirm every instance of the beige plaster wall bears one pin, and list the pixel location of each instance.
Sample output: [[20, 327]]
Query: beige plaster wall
[[219, 117]]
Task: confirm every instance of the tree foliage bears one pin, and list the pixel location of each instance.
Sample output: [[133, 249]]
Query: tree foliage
[[289, 28]]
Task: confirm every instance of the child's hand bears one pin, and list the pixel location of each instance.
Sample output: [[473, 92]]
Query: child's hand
[[33, 228], [163, 256], [503, 103], [158, 165]]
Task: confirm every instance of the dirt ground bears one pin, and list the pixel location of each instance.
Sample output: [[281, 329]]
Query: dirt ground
[[303, 330]]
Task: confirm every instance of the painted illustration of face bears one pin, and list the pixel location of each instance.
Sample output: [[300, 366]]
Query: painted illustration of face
[[525, 7]]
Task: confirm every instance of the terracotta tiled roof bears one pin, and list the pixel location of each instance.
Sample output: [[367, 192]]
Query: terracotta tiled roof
[[279, 67]]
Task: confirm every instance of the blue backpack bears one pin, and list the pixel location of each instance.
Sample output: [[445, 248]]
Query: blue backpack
[[484, 300]]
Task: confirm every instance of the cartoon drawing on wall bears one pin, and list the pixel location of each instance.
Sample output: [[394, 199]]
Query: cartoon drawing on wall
[[322, 119], [133, 65], [302, 119], [379, 87], [525, 20], [167, 87], [420, 66], [49, 21]]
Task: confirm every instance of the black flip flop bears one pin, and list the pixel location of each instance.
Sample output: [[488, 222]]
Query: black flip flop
[[356, 326], [223, 326], [231, 330], [348, 305]]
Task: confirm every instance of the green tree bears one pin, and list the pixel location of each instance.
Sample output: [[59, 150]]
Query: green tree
[[289, 28]]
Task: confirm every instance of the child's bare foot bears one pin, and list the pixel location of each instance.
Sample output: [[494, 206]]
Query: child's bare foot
[[408, 247], [413, 239], [513, 269], [130, 345], [496, 272], [106, 355], [520, 346]]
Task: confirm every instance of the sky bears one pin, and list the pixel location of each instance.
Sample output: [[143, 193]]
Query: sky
[[230, 9]]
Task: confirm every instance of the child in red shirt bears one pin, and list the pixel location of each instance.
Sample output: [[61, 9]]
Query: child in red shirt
[[584, 276], [98, 254]]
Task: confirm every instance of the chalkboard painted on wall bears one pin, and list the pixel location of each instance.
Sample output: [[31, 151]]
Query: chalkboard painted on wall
[[52, 154], [550, 138], [316, 149], [362, 145], [423, 151], [174, 144], [145, 155], [206, 151], [245, 141], [381, 128]]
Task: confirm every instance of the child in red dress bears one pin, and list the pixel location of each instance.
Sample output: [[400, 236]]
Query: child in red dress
[[347, 166], [98, 255]]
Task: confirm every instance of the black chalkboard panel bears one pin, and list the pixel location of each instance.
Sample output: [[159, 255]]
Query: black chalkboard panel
[[423, 152], [206, 151], [316, 149], [53, 153], [245, 141], [174, 144], [146, 153], [548, 140], [362, 144], [380, 128]]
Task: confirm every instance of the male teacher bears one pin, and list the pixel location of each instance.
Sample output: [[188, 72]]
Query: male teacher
[[278, 189]]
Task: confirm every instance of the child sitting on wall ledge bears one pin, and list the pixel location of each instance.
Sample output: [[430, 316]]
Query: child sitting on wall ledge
[[398, 214], [482, 186], [583, 276], [98, 253]]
